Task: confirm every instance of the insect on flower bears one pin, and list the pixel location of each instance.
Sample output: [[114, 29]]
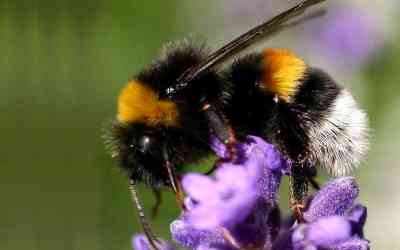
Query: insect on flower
[[169, 111]]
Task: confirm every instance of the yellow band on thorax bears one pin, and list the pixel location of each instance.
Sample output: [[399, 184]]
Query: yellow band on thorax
[[138, 103]]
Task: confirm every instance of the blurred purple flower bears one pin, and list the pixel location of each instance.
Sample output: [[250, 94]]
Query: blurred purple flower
[[349, 36]]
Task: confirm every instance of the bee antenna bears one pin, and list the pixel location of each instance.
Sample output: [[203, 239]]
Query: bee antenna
[[154, 242]]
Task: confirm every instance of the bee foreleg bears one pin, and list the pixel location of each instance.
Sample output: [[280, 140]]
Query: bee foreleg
[[151, 237], [175, 184], [220, 127]]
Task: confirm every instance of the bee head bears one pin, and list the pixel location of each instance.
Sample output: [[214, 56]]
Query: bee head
[[139, 133], [139, 150], [148, 129]]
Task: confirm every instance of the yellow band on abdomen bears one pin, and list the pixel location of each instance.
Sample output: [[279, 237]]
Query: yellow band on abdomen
[[283, 71]]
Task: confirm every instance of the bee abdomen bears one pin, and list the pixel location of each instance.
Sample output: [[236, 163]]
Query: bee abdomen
[[339, 140]]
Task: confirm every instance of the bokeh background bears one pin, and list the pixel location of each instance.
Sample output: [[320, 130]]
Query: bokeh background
[[62, 64]]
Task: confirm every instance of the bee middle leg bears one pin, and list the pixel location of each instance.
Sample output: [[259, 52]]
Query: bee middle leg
[[298, 190]]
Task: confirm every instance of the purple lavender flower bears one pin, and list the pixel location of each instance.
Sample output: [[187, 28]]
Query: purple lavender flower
[[241, 200], [227, 199], [252, 220], [334, 199], [237, 209], [140, 242], [353, 244], [273, 164], [326, 232], [190, 237], [331, 222], [222, 201], [358, 216], [254, 231]]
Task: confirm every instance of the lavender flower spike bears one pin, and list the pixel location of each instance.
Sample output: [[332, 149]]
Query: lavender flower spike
[[358, 216], [223, 201], [240, 198], [275, 165], [353, 244], [335, 198], [331, 222], [227, 199], [140, 242], [237, 209], [272, 161], [192, 238], [329, 231]]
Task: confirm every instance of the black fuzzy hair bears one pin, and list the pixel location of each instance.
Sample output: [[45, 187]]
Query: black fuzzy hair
[[317, 91], [252, 110], [188, 141], [174, 59], [249, 109]]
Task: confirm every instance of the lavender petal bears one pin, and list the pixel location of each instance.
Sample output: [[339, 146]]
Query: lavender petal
[[140, 242], [254, 230], [329, 231], [189, 237], [358, 216], [353, 244], [198, 186], [283, 242], [334, 198]]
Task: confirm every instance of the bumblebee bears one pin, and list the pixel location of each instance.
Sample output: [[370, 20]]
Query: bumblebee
[[168, 112]]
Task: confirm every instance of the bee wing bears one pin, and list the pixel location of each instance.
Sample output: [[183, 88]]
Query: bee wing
[[264, 30]]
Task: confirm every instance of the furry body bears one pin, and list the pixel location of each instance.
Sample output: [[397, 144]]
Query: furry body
[[273, 94]]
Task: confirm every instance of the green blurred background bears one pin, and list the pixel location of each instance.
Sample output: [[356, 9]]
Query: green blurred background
[[62, 64]]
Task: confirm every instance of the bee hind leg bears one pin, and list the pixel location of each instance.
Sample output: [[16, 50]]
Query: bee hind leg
[[298, 190]]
